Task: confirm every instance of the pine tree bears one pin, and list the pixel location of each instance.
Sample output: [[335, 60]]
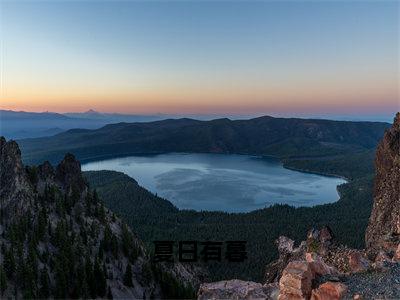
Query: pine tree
[[61, 287], [114, 246], [128, 276], [95, 197], [32, 259], [100, 279], [44, 291], [91, 283], [127, 242], [9, 263], [109, 294], [81, 286], [3, 280]]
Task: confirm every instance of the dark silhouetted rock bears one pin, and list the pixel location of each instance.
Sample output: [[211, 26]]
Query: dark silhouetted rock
[[15, 189], [69, 175]]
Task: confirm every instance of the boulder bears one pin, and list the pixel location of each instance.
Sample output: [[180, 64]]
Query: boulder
[[318, 266], [296, 281], [329, 291]]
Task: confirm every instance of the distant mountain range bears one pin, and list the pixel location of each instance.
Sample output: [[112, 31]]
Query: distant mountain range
[[20, 124], [262, 136]]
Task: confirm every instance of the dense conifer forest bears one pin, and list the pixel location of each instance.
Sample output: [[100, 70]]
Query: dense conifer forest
[[155, 218]]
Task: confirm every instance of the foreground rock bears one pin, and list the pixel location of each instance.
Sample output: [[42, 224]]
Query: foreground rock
[[236, 289], [296, 281], [329, 291]]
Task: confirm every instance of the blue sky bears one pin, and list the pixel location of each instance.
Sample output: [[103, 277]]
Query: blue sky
[[201, 57]]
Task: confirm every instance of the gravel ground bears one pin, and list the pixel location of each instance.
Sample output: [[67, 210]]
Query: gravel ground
[[375, 284]]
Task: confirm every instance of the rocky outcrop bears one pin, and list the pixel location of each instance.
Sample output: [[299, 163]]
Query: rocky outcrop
[[66, 243], [383, 230], [15, 189], [287, 253], [69, 175]]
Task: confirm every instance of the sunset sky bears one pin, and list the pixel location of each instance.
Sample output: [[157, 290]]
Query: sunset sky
[[200, 57]]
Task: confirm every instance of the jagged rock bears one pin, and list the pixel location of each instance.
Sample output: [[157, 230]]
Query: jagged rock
[[69, 175], [15, 189], [318, 266], [319, 241], [296, 281], [287, 253], [45, 176], [329, 291], [235, 289], [326, 235], [383, 231], [357, 262], [285, 245]]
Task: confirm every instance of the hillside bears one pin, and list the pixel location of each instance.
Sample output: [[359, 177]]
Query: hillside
[[264, 136], [58, 240]]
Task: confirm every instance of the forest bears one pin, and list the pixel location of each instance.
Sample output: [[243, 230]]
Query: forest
[[154, 218]]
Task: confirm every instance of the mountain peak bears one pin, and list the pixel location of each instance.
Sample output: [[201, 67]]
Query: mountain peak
[[92, 112]]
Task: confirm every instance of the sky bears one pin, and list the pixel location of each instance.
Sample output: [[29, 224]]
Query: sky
[[208, 57]]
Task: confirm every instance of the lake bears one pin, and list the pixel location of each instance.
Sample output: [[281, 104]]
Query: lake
[[222, 182]]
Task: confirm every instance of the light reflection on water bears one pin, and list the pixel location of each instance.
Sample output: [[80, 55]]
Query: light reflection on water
[[232, 183]]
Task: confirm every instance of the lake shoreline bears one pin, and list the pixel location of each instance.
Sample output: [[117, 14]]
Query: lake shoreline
[[215, 184]]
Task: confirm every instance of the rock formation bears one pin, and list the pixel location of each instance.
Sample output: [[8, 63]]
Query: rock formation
[[383, 230], [13, 181]]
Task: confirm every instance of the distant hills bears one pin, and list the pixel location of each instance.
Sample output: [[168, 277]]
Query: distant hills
[[21, 124], [115, 117], [281, 137]]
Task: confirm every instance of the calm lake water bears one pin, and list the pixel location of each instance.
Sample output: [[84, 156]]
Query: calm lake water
[[232, 183]]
